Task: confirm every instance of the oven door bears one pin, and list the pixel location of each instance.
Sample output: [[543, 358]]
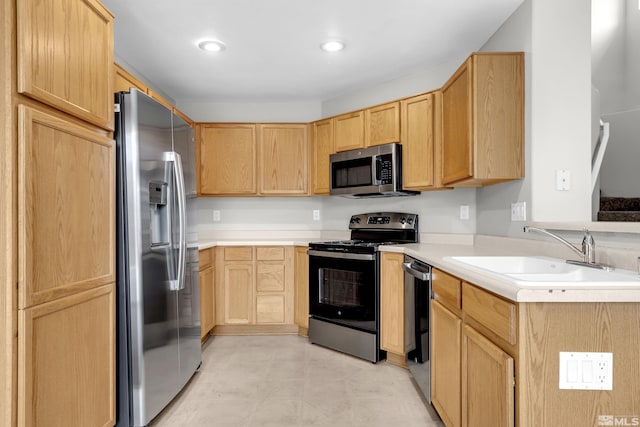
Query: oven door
[[343, 288]]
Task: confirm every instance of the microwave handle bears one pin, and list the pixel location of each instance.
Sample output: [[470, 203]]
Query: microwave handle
[[376, 165]]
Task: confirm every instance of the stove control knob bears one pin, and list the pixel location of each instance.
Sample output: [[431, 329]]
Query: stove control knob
[[357, 220], [410, 221], [403, 220]]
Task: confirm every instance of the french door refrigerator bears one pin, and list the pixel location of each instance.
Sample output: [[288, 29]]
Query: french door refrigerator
[[158, 290]]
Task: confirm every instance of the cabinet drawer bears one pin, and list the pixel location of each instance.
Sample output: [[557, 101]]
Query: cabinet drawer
[[270, 253], [493, 312], [270, 277], [205, 259], [238, 253], [446, 289]]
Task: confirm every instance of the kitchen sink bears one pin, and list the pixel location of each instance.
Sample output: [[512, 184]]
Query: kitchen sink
[[545, 271]]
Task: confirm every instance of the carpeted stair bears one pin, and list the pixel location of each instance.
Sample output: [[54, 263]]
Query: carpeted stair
[[625, 209]]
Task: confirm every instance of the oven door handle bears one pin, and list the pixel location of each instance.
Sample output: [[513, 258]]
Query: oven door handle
[[341, 255], [416, 271]]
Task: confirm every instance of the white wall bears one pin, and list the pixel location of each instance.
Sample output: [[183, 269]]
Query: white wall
[[494, 202], [608, 51], [267, 112], [438, 211], [424, 81], [620, 175], [616, 67], [560, 108]]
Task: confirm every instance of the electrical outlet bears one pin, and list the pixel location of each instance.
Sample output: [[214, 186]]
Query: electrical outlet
[[586, 371], [464, 212], [216, 216], [316, 214]]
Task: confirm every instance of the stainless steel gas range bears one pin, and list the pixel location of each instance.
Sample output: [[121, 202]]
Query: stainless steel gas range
[[344, 283]]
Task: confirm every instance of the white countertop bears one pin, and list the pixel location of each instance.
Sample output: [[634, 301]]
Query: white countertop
[[435, 254]]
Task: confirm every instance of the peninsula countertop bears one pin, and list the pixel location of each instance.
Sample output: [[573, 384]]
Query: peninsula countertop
[[437, 252]]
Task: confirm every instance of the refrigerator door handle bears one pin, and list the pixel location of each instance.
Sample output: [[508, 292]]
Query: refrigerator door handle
[[176, 160]]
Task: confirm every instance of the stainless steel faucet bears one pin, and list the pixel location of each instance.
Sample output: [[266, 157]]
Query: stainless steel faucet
[[587, 253]]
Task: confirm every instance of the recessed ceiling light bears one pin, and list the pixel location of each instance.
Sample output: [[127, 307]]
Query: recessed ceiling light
[[332, 46], [211, 45]]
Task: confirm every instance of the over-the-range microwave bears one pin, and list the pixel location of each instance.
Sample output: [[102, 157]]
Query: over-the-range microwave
[[368, 172]]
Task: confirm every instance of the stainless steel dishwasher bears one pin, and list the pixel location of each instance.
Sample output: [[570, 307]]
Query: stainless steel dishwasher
[[417, 291]]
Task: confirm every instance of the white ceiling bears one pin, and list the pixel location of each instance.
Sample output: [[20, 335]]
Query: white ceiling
[[272, 46]]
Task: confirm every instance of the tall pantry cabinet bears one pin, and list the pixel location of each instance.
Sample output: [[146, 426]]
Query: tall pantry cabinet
[[57, 229]]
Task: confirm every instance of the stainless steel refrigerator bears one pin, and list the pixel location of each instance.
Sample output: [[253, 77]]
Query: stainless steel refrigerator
[[158, 290]]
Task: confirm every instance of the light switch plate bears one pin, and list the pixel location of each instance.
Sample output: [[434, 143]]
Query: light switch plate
[[216, 216], [586, 371], [519, 211], [316, 214]]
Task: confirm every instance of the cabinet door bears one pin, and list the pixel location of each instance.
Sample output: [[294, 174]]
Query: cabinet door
[[457, 144], [227, 159], [487, 383], [349, 131], [65, 57], [392, 305], [322, 150], [418, 142], [382, 124], [67, 206], [66, 363], [207, 303], [301, 312], [284, 159], [238, 293], [445, 364]]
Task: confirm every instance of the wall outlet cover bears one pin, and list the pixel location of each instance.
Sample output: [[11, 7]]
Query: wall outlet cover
[[464, 211], [586, 371]]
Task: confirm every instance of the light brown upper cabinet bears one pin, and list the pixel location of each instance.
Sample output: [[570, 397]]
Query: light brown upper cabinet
[[483, 120], [253, 159], [227, 159], [421, 141], [349, 131], [283, 159], [322, 135], [65, 57], [382, 124]]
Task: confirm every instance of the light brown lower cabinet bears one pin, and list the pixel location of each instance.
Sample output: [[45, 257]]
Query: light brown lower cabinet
[[495, 362], [254, 287], [207, 292], [66, 363], [301, 311], [472, 378], [238, 293], [392, 322], [446, 330], [487, 382]]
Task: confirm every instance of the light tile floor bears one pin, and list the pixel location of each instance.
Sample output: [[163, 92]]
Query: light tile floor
[[283, 381]]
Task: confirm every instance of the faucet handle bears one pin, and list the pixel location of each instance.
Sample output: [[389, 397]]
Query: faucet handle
[[588, 248]]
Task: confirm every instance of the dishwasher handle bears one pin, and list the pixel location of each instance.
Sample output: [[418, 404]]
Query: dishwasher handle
[[417, 271]]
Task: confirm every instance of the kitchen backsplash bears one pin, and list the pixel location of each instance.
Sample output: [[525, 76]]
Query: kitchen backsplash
[[439, 211]]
